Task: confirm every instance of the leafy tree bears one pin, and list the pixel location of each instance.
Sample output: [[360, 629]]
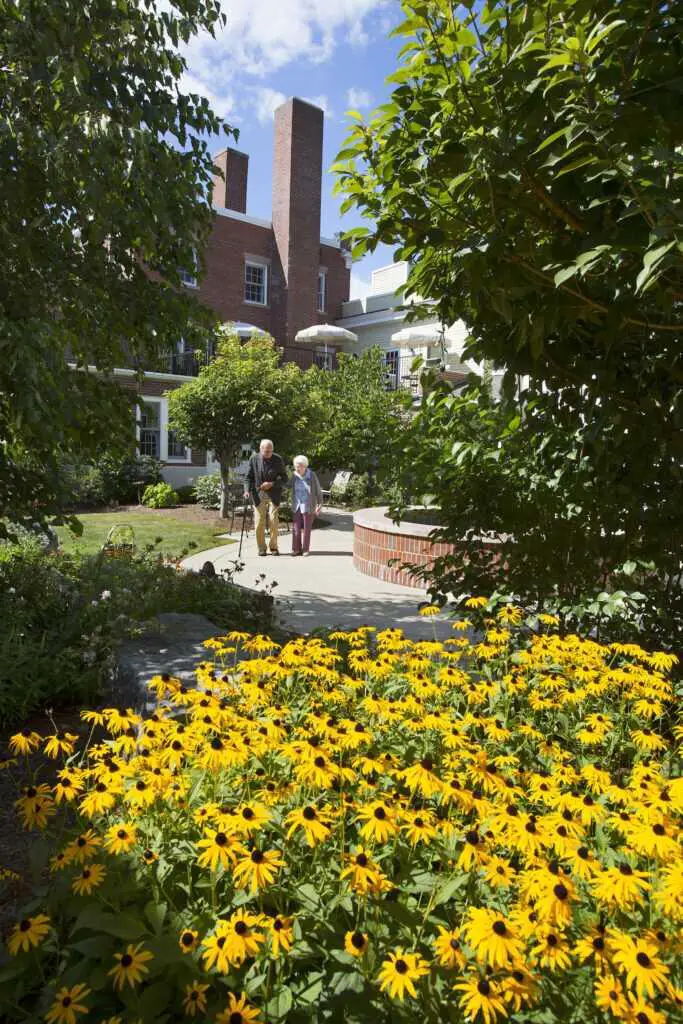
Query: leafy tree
[[526, 166], [244, 394], [360, 416], [105, 174]]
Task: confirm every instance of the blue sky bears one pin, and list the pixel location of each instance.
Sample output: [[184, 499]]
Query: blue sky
[[335, 53]]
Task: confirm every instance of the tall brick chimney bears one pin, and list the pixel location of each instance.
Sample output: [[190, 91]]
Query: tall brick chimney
[[230, 191], [297, 174]]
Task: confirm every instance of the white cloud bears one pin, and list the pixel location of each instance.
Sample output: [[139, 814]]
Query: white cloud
[[358, 98], [357, 35], [266, 102], [320, 101], [222, 103], [360, 286], [262, 37]]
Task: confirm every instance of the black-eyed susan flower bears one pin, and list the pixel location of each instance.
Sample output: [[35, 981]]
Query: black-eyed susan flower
[[379, 821], [638, 1011], [90, 878], [492, 937], [256, 869], [419, 827], [314, 823], [481, 996], [149, 856], [356, 943], [448, 948], [187, 940], [99, 799], [609, 995], [621, 886], [362, 872], [194, 1000], [551, 950], [67, 1005], [233, 941], [35, 806], [399, 972], [238, 1011], [130, 966], [24, 742], [120, 838], [60, 743], [28, 933], [249, 818], [640, 961], [281, 934], [218, 850], [84, 847]]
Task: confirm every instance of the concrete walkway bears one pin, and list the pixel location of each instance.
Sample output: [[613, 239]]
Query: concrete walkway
[[324, 590]]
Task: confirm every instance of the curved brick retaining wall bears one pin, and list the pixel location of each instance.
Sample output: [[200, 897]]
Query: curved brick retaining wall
[[376, 540]]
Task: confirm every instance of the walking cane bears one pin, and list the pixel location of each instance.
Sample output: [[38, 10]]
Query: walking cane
[[244, 519]]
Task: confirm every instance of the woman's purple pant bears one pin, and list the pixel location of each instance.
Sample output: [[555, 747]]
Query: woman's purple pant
[[301, 531]]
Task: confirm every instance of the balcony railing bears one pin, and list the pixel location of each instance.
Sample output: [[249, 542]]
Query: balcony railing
[[306, 356], [401, 376]]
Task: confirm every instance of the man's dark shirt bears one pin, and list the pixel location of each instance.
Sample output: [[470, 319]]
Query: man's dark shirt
[[263, 470]]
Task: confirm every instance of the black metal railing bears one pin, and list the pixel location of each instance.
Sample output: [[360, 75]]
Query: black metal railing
[[188, 364]]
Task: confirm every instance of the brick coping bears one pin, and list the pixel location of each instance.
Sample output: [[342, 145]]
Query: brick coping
[[377, 518]]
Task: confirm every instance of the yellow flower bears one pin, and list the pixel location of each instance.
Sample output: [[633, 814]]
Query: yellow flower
[[448, 948], [428, 610], [234, 940], [314, 823], [60, 743], [90, 877], [24, 742], [640, 962], [493, 939], [238, 1011], [219, 850], [130, 966], [363, 873], [66, 1005], [28, 933], [399, 972], [609, 995], [84, 847], [481, 996], [120, 837], [281, 934], [379, 820], [356, 943], [187, 940], [257, 869], [476, 602], [194, 1001]]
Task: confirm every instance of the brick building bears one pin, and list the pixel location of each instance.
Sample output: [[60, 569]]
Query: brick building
[[278, 275]]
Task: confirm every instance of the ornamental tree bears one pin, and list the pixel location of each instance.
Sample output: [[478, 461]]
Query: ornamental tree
[[360, 416], [242, 395], [527, 165], [105, 175]]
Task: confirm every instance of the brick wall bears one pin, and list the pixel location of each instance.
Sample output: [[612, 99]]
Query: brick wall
[[230, 187], [338, 282]]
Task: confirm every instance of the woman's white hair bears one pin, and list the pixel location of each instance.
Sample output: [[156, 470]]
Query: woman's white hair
[[299, 460]]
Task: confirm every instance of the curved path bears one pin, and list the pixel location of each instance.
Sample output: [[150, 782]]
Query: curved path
[[324, 590]]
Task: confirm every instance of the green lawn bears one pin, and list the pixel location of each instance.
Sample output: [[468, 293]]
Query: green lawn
[[176, 534]]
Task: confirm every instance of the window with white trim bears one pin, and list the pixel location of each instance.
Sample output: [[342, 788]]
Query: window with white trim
[[154, 435], [256, 283], [189, 278], [322, 291], [150, 429]]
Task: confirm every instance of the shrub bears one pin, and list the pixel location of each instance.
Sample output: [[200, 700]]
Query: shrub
[[64, 617], [208, 490], [367, 830], [159, 496], [186, 494], [112, 479]]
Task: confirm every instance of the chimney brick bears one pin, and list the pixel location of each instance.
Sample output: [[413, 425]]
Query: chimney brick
[[230, 191], [297, 175]]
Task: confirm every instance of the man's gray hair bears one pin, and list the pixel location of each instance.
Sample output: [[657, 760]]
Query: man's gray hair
[[264, 442], [298, 460]]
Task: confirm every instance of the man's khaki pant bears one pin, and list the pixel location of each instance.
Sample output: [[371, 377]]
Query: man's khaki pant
[[261, 514]]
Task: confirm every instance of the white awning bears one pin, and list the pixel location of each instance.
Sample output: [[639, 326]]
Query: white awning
[[325, 334], [418, 334], [242, 329]]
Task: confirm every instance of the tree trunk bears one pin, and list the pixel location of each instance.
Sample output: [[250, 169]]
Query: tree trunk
[[225, 482]]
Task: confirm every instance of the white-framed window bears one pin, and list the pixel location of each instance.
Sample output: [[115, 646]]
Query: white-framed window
[[256, 283], [150, 429], [392, 362], [189, 278], [154, 437], [322, 291]]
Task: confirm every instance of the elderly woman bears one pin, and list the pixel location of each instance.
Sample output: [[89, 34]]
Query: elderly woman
[[307, 499]]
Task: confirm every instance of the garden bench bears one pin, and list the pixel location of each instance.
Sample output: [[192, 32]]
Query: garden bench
[[338, 485]]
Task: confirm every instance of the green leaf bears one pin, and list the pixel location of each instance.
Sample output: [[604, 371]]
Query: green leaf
[[563, 275], [281, 1003], [156, 914]]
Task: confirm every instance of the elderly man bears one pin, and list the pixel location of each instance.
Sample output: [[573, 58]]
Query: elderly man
[[266, 477]]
